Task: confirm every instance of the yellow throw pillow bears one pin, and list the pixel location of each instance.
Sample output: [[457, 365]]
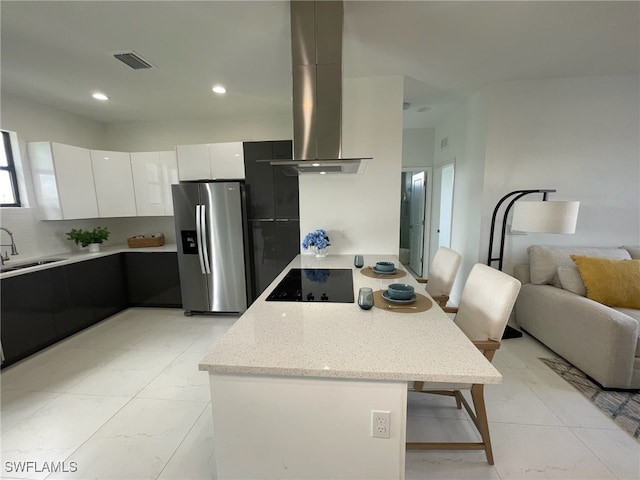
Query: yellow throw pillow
[[615, 283]]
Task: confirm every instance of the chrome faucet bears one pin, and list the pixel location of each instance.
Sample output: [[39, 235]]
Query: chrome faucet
[[14, 251]]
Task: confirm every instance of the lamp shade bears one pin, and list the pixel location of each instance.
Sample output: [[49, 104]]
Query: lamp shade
[[545, 217]]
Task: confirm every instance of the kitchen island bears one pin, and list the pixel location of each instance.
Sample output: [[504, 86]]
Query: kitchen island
[[294, 385]]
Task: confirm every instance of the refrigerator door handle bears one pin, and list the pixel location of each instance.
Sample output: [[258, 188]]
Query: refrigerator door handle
[[203, 230], [199, 237]]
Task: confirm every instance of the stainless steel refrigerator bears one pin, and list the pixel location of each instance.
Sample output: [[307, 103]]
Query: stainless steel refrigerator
[[212, 238]]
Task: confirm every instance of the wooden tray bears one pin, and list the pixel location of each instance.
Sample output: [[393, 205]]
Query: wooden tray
[[140, 242]]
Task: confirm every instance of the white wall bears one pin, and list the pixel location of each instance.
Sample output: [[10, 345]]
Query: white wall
[[165, 135], [35, 122], [365, 207], [577, 135], [467, 189], [418, 147]]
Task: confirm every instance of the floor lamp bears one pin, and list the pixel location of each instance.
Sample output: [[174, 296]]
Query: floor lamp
[[541, 217]]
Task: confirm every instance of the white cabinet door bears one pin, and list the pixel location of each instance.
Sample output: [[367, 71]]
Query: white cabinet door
[[63, 181], [153, 174], [114, 183], [227, 160], [170, 170], [193, 162]]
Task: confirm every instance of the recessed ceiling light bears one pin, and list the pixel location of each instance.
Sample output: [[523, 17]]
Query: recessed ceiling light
[[323, 173], [219, 89], [100, 96]]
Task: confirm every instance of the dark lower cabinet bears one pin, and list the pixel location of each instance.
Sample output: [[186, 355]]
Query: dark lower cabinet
[[27, 319], [73, 304], [40, 308], [109, 287], [153, 279]]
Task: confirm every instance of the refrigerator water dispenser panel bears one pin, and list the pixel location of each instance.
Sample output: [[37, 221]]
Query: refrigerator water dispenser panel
[[189, 242]]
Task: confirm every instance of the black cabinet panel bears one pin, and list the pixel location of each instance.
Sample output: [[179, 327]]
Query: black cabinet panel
[[289, 240], [153, 279], [285, 193], [73, 297], [270, 192], [275, 244], [258, 179], [27, 319], [264, 256], [282, 150], [273, 211], [109, 286]]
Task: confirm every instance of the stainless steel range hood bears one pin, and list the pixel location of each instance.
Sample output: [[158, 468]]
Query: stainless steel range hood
[[316, 49]]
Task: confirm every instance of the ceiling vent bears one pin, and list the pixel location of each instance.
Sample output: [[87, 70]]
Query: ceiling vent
[[133, 60]]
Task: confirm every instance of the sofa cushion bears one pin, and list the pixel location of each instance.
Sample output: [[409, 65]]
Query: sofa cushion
[[633, 250], [615, 283], [544, 260], [571, 280]]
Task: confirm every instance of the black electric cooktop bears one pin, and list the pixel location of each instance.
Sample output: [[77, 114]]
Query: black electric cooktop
[[315, 285]]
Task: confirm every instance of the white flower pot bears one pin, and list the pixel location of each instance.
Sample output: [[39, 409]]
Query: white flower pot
[[320, 252], [94, 247]]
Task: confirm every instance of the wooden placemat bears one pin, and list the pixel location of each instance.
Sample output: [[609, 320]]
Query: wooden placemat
[[368, 272], [422, 304]]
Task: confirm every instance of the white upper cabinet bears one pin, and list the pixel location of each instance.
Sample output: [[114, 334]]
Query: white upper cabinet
[[212, 161], [193, 162], [153, 175], [227, 160], [63, 181], [114, 183]]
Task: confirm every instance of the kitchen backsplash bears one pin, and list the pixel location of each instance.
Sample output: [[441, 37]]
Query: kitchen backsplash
[[37, 238]]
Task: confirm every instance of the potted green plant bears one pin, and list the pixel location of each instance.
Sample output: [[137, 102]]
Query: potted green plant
[[91, 238]]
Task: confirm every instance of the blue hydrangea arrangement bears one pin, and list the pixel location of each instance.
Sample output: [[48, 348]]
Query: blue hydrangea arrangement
[[317, 238]]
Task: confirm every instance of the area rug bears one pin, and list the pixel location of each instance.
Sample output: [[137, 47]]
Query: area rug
[[623, 406]]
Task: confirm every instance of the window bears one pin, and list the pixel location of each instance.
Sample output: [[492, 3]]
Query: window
[[9, 194]]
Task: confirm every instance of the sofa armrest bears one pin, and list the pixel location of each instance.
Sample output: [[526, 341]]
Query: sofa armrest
[[597, 339]]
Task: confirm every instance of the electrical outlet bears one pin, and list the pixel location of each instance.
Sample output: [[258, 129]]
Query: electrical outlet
[[380, 423]]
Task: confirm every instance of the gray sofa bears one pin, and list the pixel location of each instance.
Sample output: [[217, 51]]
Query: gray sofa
[[601, 341]]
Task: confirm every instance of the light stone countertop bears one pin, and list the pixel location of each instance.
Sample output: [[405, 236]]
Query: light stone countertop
[[340, 340], [76, 256]]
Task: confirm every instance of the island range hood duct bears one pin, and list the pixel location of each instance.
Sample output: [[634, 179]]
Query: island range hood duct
[[316, 49]]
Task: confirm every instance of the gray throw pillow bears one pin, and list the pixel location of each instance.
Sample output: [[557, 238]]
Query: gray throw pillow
[[571, 280]]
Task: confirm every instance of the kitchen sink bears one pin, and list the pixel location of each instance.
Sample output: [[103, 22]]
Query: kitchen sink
[[36, 263]]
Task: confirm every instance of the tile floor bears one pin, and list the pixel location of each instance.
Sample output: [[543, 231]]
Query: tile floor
[[125, 400]]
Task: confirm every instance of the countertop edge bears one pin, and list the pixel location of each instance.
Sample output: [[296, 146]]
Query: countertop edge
[[347, 375], [70, 257]]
